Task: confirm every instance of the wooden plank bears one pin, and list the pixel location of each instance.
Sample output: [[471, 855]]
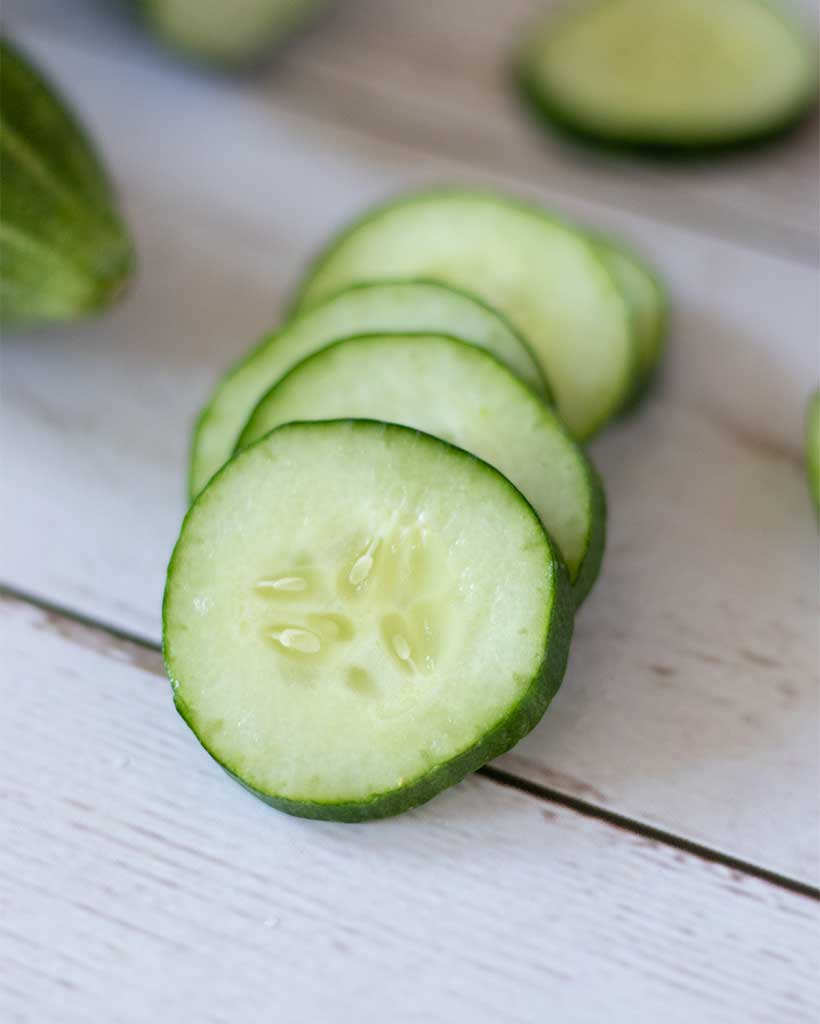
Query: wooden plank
[[436, 76], [691, 700], [137, 882]]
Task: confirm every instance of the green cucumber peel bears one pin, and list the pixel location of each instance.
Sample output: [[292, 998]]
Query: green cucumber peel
[[65, 251]]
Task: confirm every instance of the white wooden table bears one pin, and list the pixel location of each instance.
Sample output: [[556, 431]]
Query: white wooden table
[[652, 851]]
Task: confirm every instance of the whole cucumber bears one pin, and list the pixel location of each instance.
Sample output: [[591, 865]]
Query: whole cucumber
[[224, 33], [64, 250]]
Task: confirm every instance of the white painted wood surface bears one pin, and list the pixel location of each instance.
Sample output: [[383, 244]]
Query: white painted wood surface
[[433, 75], [138, 883], [691, 700]]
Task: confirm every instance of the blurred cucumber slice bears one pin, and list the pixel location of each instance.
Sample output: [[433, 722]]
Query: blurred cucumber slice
[[225, 33], [670, 74]]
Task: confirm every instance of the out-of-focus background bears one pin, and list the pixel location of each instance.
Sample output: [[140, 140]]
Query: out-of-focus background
[[671, 868], [432, 79]]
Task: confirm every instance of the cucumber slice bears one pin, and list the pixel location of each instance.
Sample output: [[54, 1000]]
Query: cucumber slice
[[225, 33], [543, 275], [670, 74], [64, 250], [457, 392], [647, 304], [813, 448], [381, 306], [357, 615]]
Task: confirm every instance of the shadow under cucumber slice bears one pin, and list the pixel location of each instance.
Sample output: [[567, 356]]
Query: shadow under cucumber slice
[[406, 621], [366, 307], [463, 395]]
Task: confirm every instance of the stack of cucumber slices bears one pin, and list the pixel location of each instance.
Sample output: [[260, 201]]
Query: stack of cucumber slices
[[393, 519]]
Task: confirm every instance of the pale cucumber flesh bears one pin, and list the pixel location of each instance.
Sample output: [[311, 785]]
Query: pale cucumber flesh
[[463, 395], [672, 72], [404, 620], [383, 306], [544, 276]]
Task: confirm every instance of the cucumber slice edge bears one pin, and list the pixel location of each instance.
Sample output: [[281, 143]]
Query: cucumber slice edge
[[647, 365], [464, 293], [204, 37]]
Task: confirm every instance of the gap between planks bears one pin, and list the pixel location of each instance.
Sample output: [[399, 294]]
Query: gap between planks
[[547, 794]]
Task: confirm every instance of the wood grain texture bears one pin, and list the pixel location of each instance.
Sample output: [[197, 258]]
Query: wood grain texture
[[138, 882], [434, 76], [442, 80], [691, 700]]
